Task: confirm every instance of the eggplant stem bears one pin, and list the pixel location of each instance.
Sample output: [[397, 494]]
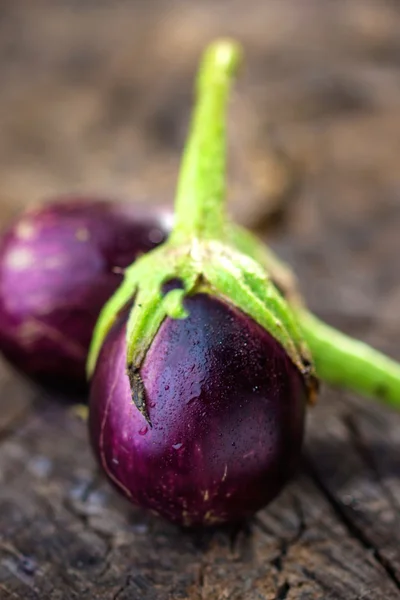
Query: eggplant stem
[[201, 187], [345, 362]]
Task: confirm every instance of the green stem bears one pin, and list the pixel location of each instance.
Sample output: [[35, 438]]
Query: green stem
[[348, 363], [200, 195]]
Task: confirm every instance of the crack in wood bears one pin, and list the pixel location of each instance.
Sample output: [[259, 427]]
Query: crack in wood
[[353, 529], [283, 591], [285, 544], [366, 455], [122, 588]]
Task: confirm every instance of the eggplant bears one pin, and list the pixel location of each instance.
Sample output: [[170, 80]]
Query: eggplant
[[204, 360], [59, 263]]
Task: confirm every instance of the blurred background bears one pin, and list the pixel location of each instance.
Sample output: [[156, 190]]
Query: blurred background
[[95, 97]]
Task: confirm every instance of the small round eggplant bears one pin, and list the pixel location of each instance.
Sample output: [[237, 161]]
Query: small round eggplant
[[226, 407], [59, 263], [201, 368]]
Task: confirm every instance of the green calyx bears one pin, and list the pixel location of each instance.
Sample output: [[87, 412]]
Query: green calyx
[[211, 267], [207, 253]]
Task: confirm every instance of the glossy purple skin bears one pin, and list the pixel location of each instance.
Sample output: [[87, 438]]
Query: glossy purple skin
[[227, 409], [57, 269]]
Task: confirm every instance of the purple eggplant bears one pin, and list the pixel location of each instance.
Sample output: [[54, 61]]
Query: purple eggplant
[[200, 378], [226, 411], [203, 361], [59, 263]]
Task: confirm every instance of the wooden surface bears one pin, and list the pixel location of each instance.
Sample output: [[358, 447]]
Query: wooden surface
[[97, 98]]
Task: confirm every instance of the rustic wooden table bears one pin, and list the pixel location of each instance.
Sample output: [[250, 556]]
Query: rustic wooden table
[[95, 96]]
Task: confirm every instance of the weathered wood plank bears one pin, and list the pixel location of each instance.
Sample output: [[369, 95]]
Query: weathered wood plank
[[63, 528], [353, 460]]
